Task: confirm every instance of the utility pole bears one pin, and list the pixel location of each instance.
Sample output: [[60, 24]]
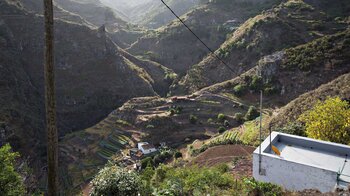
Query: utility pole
[[260, 126], [50, 103], [260, 129]]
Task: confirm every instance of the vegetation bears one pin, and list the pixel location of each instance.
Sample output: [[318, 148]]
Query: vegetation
[[229, 137], [177, 154], [261, 188], [193, 119], [239, 89], [175, 110], [328, 120], [11, 183], [331, 50], [293, 128], [239, 117], [113, 180], [221, 129], [252, 113], [167, 180], [221, 117]]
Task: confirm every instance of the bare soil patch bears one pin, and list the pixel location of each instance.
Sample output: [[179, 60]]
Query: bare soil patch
[[222, 154]]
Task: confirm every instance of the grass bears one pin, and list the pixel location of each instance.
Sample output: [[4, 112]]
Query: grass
[[210, 102], [123, 122]]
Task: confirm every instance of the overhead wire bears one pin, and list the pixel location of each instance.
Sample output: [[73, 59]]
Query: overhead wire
[[210, 50]]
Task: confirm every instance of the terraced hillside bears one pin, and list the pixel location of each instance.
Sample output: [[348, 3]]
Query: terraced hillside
[[175, 47], [289, 24], [93, 77], [285, 75]]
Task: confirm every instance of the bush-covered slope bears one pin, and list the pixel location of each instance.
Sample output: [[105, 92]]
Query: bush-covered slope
[[175, 47], [289, 73], [291, 23], [340, 87]]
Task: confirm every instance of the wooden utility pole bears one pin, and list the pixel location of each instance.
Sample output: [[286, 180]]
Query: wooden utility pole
[[50, 103]]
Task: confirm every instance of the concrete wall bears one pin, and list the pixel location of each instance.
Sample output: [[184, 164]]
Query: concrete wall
[[293, 176]]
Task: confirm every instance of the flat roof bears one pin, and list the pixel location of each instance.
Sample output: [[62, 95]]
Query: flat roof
[[325, 155]]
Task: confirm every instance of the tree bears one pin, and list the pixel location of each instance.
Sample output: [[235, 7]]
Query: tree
[[112, 180], [328, 120], [239, 117], [221, 129], [221, 117], [10, 181], [252, 113], [177, 154], [52, 140], [193, 119]]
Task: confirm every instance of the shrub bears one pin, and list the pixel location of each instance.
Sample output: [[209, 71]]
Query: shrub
[[239, 117], [210, 120], [192, 180], [223, 168], [221, 129], [328, 120], [10, 181], [177, 155], [147, 162], [239, 89], [293, 128], [221, 117], [193, 119], [113, 180], [256, 83], [172, 112], [150, 126], [226, 123], [270, 90], [252, 113], [254, 187]]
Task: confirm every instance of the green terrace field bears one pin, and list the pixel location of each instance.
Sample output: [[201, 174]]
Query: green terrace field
[[114, 143]]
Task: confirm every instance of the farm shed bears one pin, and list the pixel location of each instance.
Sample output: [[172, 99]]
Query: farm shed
[[146, 148], [304, 163]]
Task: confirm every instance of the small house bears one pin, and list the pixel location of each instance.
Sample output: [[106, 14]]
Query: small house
[[299, 163], [146, 148]]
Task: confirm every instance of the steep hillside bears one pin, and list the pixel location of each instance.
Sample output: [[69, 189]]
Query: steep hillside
[[91, 13], [181, 120], [289, 73], [339, 87], [291, 23], [92, 78], [37, 7], [175, 47]]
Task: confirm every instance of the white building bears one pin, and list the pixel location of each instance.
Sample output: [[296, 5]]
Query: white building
[[303, 163], [146, 148]]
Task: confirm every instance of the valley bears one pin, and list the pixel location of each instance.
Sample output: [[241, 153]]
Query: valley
[[128, 72]]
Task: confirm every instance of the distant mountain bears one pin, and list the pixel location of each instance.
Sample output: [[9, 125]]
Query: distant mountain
[[91, 13], [151, 13], [175, 47]]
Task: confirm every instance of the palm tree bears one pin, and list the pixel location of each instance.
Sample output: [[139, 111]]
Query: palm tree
[[50, 103]]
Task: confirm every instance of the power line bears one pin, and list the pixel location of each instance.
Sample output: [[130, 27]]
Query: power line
[[223, 62]]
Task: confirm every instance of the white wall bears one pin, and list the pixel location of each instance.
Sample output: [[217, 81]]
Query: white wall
[[293, 176]]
